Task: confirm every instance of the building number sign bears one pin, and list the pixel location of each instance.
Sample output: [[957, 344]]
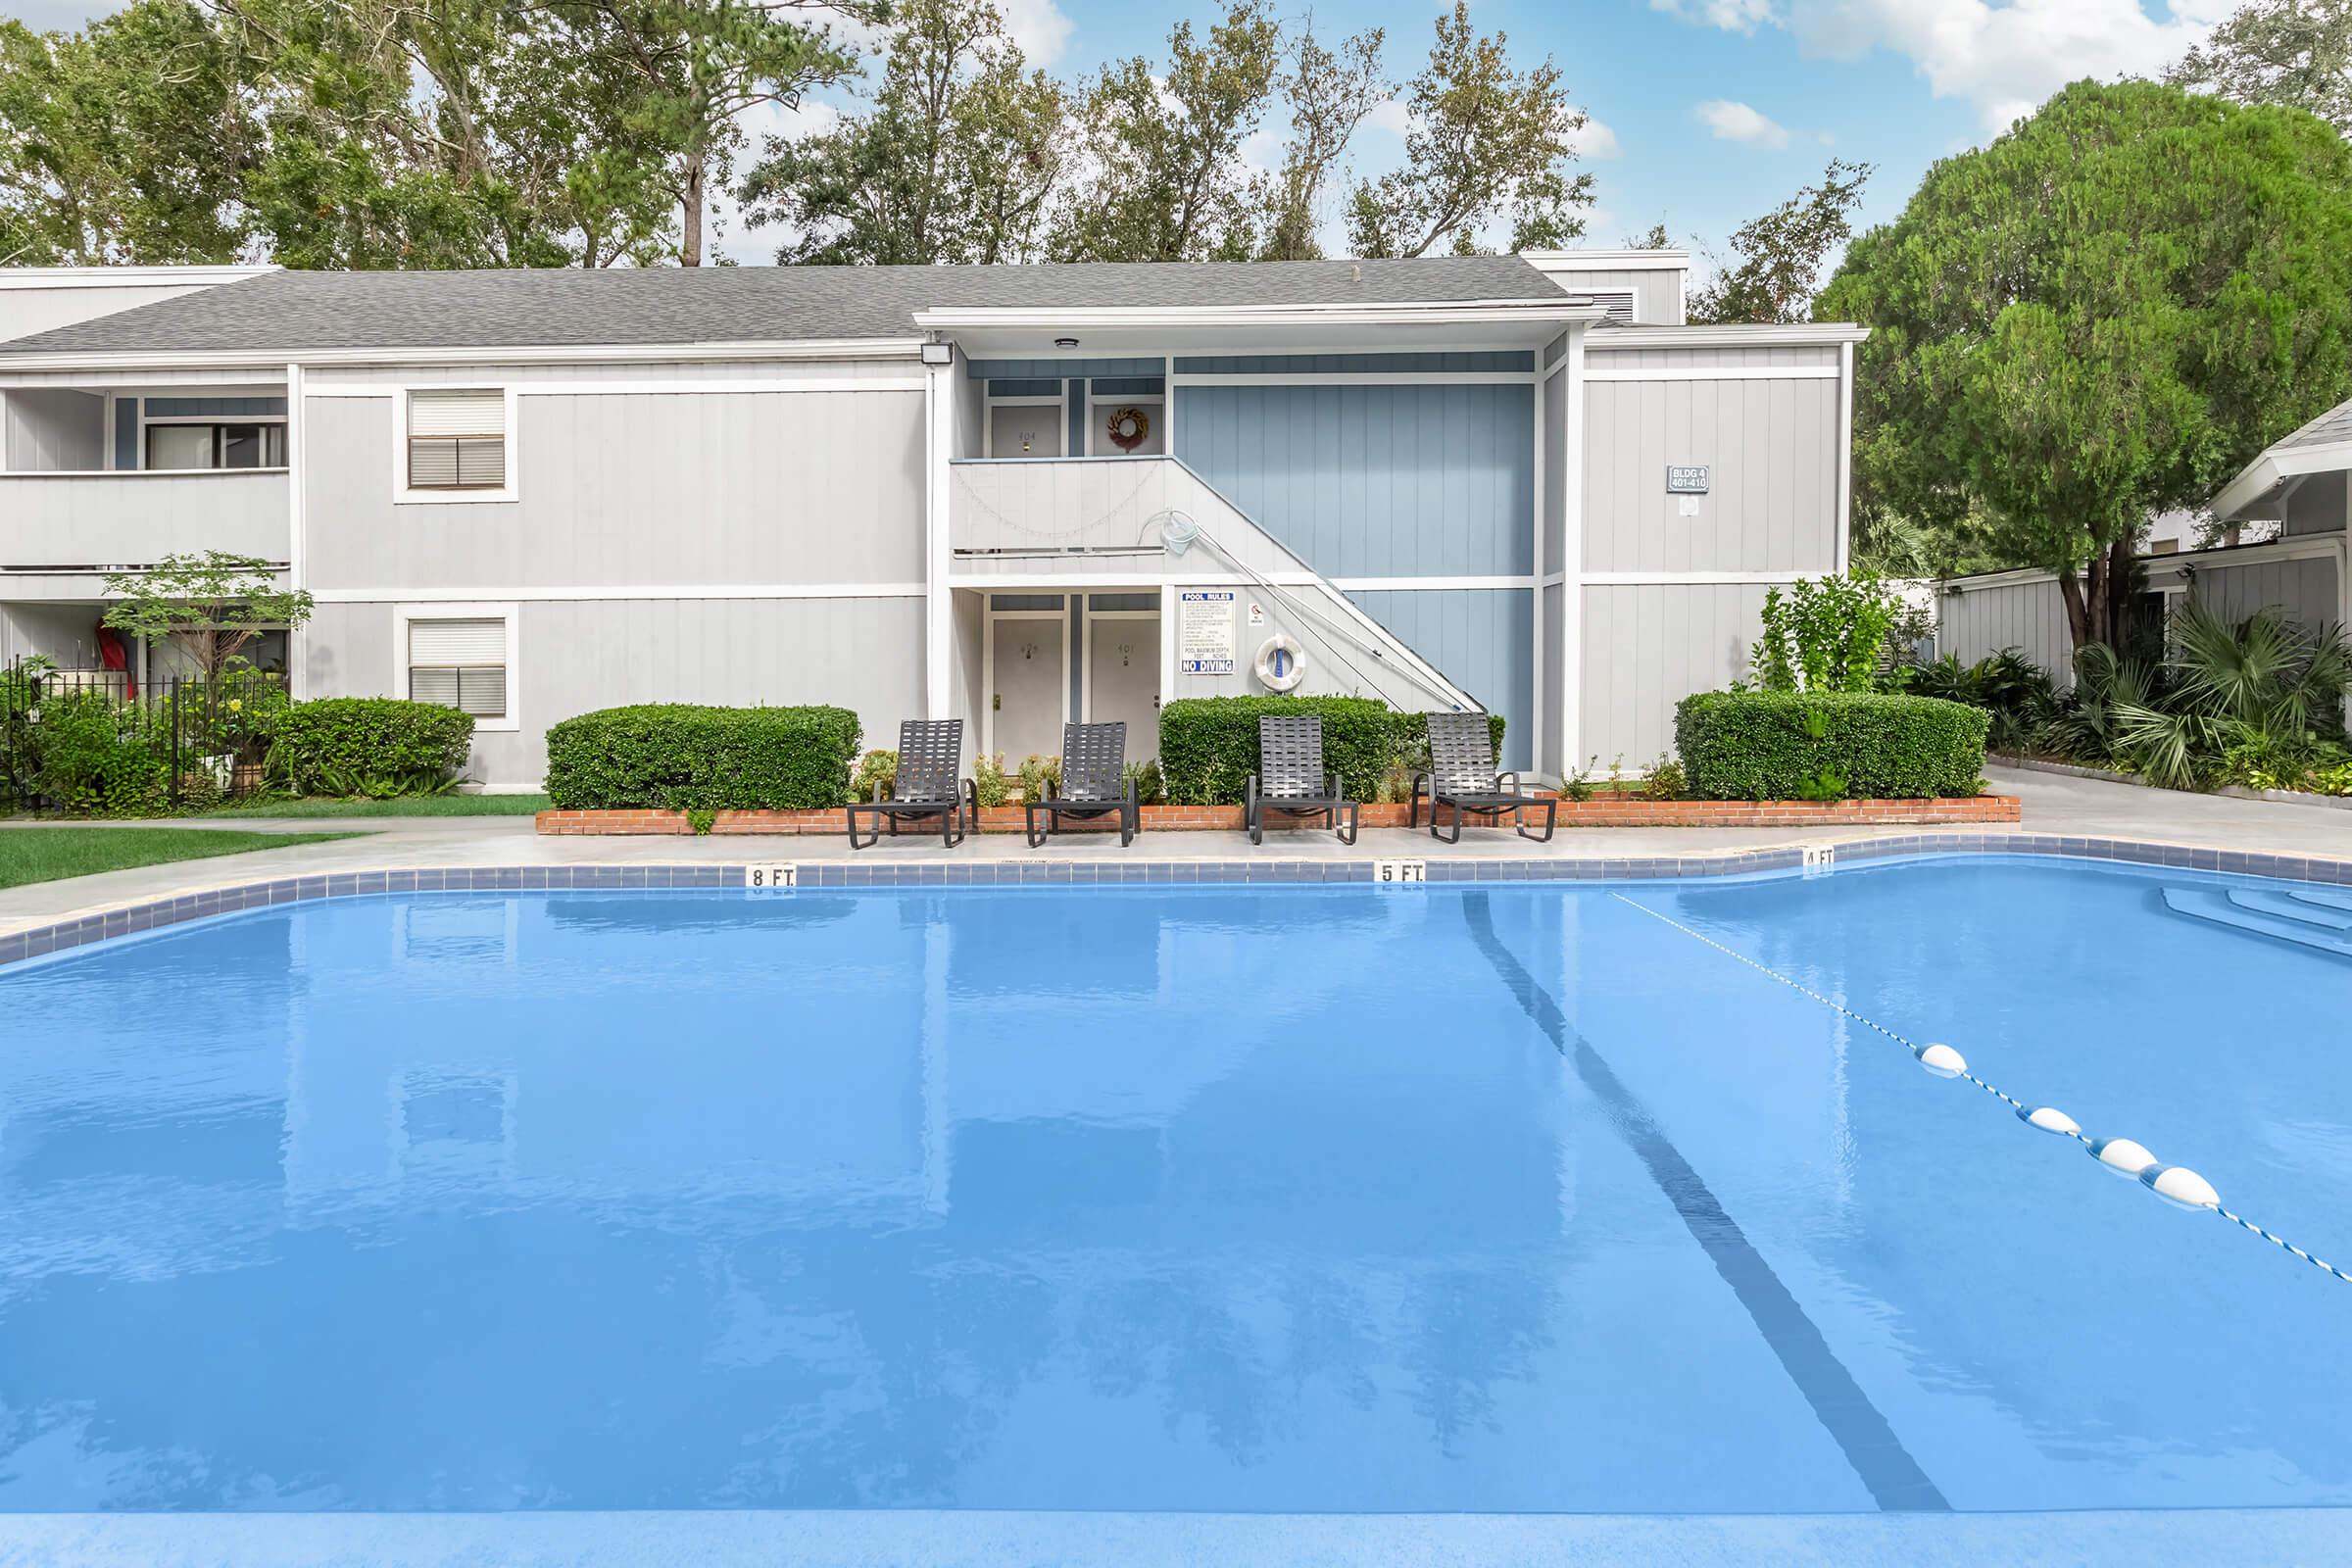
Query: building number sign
[[1685, 479]]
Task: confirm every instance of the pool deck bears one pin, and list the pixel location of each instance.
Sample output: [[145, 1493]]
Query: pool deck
[[2055, 807]]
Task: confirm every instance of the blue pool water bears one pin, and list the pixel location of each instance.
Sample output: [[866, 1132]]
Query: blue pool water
[[1500, 1198]]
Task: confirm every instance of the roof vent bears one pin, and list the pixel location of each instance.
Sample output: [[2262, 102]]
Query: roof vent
[[1617, 301], [1356, 273]]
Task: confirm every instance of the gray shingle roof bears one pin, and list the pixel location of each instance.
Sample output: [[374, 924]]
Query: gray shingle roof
[[291, 313], [2333, 425]]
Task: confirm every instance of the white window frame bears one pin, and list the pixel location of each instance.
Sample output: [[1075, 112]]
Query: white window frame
[[403, 495], [506, 614], [1156, 401]]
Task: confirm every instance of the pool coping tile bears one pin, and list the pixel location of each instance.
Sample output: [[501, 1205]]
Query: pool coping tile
[[1268, 871]]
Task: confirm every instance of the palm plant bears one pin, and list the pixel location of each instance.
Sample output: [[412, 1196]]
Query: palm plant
[[2257, 693], [2089, 724]]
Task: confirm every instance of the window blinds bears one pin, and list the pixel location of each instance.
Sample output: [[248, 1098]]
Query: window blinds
[[460, 663], [457, 439]]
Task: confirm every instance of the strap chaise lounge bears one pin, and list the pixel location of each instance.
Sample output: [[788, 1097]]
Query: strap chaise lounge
[[929, 749], [1461, 775], [1094, 783], [1291, 779]]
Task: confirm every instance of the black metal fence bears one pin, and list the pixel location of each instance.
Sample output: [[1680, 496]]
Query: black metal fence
[[99, 739]]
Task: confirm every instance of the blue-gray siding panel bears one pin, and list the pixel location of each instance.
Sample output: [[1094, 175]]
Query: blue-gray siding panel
[[1483, 639], [1374, 481], [1057, 369], [1354, 363]]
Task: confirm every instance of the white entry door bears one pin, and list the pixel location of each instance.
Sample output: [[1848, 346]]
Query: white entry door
[[1031, 684], [1122, 676]]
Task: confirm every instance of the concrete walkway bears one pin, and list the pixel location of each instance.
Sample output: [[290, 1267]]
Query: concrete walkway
[[2054, 805]]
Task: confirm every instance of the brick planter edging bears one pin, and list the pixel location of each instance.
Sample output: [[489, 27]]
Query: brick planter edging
[[1595, 812]]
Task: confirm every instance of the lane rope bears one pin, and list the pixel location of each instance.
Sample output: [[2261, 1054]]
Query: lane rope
[[2016, 1104]]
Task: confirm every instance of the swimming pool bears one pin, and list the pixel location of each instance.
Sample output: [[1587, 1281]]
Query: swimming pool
[[1479, 1199]]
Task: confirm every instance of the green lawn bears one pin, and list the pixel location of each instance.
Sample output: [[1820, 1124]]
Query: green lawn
[[48, 853], [413, 805]]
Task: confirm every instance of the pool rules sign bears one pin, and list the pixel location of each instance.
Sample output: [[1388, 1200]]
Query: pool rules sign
[[1205, 644]]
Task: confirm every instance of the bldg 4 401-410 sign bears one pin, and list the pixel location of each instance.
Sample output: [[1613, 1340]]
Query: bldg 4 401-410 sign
[[1685, 479]]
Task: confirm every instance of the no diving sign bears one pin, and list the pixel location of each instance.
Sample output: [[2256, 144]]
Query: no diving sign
[[1204, 637]]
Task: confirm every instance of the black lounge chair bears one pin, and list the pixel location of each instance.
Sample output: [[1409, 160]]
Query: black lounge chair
[[1094, 783], [1461, 774], [929, 749], [1291, 779]]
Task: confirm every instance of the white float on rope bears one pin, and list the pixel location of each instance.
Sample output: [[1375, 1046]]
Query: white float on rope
[[2122, 1155], [1942, 1059], [2178, 1184], [2050, 1119]]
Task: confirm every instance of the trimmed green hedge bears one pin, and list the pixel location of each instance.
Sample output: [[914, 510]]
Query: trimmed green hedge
[[372, 746], [1763, 745], [681, 758], [1208, 745]]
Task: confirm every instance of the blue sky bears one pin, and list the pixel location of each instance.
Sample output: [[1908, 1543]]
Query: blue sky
[[1707, 112]]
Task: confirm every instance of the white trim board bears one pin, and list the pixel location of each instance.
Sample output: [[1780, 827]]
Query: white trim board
[[1643, 579], [671, 388], [1818, 334], [1359, 377], [849, 348], [195, 277], [1382, 585], [633, 591], [1725, 372]]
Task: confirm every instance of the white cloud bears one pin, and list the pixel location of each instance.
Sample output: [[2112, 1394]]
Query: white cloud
[[1392, 116], [1595, 141], [1733, 15], [1038, 27], [1737, 121], [2002, 59]]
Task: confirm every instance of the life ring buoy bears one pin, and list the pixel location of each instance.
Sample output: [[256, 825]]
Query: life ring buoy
[[1281, 666], [1128, 428]]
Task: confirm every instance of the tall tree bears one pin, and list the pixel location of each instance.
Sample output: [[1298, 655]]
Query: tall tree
[[1781, 253], [955, 162], [1170, 183], [124, 142], [1330, 93], [1487, 142], [2295, 53], [439, 133], [687, 71], [2102, 314]]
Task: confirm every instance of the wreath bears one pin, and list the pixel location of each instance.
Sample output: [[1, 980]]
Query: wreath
[[1128, 428]]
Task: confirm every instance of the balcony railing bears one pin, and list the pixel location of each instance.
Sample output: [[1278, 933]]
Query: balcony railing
[[94, 521]]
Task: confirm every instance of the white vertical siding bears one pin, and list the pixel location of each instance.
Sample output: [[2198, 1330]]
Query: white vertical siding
[[633, 489], [2028, 615], [1647, 647], [1771, 447], [574, 656], [53, 431]]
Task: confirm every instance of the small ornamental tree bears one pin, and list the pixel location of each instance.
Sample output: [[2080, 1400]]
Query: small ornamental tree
[[2101, 316], [1823, 636], [212, 604]]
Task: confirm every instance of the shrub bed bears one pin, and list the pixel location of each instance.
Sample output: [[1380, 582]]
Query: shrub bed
[[378, 747], [1789, 746], [1208, 745], [686, 759]]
